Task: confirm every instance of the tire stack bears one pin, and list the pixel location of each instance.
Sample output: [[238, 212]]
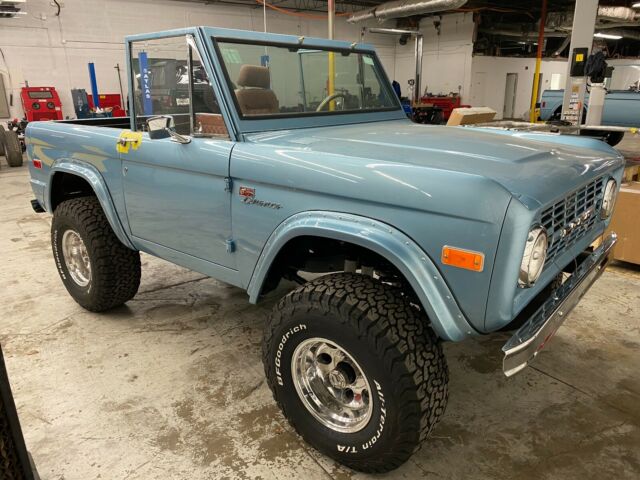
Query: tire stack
[[10, 147]]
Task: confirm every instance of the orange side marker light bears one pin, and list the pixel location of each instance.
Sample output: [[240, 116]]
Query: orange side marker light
[[467, 259]]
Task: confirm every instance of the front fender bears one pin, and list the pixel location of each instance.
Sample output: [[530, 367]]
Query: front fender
[[447, 319], [94, 178]]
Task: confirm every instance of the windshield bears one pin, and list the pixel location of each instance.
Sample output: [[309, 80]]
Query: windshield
[[269, 81]]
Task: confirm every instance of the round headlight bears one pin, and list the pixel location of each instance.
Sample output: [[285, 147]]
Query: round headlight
[[609, 199], [535, 253]]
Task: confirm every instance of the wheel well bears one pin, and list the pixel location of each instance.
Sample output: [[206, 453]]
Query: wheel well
[[310, 254], [67, 185]]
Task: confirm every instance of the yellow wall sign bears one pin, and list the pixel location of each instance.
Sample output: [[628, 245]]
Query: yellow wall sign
[[128, 139], [580, 57]]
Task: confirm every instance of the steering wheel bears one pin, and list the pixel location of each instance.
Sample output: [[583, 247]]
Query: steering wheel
[[331, 97]]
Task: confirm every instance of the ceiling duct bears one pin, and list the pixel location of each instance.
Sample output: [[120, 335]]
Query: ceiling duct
[[405, 8], [618, 14], [608, 17], [11, 8]]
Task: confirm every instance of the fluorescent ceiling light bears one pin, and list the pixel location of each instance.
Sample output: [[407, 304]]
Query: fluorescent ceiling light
[[636, 5], [606, 35]]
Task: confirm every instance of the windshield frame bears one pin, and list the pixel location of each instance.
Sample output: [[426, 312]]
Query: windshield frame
[[256, 124], [384, 84]]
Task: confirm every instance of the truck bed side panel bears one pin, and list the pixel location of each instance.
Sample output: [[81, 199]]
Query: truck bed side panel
[[54, 142]]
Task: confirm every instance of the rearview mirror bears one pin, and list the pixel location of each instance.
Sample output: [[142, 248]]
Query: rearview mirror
[[163, 126]]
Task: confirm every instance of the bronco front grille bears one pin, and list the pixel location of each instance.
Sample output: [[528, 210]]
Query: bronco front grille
[[569, 219]]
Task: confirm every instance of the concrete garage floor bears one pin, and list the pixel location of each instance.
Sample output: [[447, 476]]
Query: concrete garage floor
[[171, 386]]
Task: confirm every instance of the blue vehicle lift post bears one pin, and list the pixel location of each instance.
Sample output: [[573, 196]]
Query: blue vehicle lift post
[[94, 85]]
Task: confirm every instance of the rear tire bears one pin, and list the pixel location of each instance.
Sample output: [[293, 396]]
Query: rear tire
[[98, 271], [373, 349], [12, 149], [611, 138], [614, 138]]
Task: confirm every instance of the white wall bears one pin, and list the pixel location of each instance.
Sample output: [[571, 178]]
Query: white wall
[[446, 64], [46, 50], [625, 72], [489, 76]]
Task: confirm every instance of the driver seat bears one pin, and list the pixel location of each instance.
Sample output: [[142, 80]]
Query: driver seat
[[254, 94]]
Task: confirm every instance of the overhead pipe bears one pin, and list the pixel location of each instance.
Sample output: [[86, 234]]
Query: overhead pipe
[[529, 35], [525, 35], [405, 8], [565, 43], [397, 31], [631, 33]]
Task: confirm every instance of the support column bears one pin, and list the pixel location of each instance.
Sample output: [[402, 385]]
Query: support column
[[584, 22], [417, 92], [536, 76], [331, 12]]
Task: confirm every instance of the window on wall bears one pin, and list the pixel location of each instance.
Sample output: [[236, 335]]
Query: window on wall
[[556, 82], [170, 79]]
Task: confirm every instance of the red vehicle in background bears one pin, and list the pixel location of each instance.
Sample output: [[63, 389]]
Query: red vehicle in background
[[41, 103]]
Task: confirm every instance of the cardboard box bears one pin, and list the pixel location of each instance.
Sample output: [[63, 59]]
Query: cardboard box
[[626, 223], [469, 116], [631, 172]]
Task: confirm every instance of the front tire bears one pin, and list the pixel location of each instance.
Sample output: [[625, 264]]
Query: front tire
[[356, 370], [98, 271]]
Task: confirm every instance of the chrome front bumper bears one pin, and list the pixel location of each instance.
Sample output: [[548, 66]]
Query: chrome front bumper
[[538, 330]]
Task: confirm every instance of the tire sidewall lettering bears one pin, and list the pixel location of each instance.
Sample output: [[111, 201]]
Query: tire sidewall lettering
[[284, 339], [56, 255], [356, 448]]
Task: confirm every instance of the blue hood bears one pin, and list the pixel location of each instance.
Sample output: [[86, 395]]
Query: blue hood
[[533, 167]]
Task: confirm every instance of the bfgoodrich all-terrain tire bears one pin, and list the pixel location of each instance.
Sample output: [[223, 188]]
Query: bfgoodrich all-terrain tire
[[98, 271], [12, 149], [356, 370]]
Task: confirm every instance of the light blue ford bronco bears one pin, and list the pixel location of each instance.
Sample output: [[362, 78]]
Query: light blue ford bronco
[[256, 157]]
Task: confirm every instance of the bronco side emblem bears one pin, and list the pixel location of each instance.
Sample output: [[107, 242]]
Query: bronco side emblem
[[249, 197]]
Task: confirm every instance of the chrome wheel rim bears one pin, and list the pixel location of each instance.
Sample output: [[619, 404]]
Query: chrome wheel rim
[[331, 385], [76, 258]]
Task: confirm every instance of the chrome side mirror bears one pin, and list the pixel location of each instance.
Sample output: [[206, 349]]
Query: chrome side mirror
[[163, 126]]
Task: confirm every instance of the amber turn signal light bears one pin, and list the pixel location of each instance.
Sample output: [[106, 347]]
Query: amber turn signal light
[[467, 259]]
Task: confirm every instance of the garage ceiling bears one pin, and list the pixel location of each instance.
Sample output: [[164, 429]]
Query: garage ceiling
[[505, 27]]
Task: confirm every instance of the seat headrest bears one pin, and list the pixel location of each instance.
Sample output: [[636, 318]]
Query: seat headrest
[[254, 76]]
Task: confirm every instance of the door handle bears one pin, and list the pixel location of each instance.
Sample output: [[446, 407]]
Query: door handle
[[124, 140]]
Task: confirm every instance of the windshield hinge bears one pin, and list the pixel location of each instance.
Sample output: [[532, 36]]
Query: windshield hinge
[[231, 246], [228, 184]]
